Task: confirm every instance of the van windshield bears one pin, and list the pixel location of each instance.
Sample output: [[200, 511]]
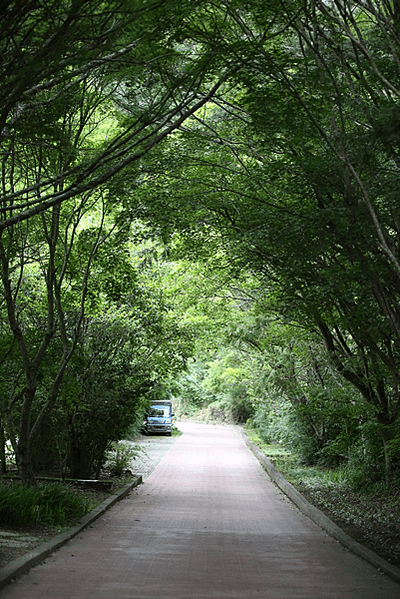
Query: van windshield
[[159, 412]]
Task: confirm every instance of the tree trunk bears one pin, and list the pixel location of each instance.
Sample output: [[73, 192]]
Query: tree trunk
[[80, 460], [25, 464], [23, 456], [3, 464], [387, 435]]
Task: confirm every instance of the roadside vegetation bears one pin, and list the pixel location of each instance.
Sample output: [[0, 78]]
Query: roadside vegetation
[[45, 504]]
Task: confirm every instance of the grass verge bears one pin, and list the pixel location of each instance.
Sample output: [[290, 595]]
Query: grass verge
[[46, 504]]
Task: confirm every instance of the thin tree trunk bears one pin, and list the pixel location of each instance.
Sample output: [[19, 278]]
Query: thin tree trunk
[[3, 463]]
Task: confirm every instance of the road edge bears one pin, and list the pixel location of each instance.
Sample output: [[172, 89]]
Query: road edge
[[14, 569], [319, 517]]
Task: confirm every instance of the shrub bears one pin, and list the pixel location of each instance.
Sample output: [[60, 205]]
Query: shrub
[[241, 409], [287, 428], [50, 504], [363, 471], [120, 457], [219, 411]]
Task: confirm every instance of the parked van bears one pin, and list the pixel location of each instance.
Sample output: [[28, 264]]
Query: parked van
[[159, 418]]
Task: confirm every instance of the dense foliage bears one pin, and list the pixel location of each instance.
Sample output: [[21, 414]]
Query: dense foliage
[[256, 144]]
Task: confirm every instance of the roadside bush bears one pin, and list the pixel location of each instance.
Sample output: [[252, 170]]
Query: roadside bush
[[241, 409], [121, 456], [219, 411], [261, 422], [191, 396], [50, 504], [135, 428], [287, 429], [363, 470]]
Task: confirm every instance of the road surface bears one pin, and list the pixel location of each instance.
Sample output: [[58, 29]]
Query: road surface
[[206, 523]]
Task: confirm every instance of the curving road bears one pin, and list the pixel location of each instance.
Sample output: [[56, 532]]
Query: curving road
[[206, 523]]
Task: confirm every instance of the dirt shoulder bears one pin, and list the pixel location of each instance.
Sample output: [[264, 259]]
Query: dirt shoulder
[[371, 520]]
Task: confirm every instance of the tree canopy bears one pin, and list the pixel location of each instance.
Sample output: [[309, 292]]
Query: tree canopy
[[256, 145]]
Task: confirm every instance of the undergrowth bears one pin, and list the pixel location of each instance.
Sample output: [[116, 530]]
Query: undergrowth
[[122, 455], [47, 504]]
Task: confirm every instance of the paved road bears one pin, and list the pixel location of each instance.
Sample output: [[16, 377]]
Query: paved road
[[206, 523]]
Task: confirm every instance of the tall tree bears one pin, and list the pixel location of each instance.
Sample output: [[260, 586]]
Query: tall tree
[[296, 168], [88, 88]]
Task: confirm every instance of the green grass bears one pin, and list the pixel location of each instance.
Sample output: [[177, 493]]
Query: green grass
[[50, 504], [271, 450], [293, 470], [176, 432]]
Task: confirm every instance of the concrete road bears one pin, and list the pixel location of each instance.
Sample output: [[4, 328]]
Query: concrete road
[[206, 523]]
